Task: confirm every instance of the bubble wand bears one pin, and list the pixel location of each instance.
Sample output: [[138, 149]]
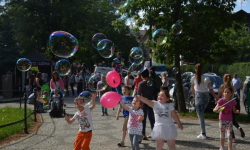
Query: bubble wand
[[222, 108]]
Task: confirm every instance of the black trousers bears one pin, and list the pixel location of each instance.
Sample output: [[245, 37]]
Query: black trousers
[[148, 111]]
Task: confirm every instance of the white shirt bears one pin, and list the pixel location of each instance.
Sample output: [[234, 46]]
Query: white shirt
[[127, 82], [203, 87], [163, 113], [236, 83], [134, 126], [56, 85], [85, 120], [56, 97]]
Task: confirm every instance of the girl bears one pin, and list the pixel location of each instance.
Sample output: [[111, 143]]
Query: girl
[[164, 128], [165, 81], [227, 83], [134, 125], [225, 116]]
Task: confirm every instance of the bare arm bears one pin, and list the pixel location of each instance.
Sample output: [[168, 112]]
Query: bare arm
[[140, 118], [146, 101], [235, 111], [118, 112], [176, 119], [192, 87], [124, 106], [216, 108], [93, 101], [69, 120]]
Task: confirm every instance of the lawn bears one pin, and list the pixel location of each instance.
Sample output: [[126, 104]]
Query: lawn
[[9, 115]]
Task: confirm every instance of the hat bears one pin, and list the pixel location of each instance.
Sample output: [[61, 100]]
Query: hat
[[144, 70]]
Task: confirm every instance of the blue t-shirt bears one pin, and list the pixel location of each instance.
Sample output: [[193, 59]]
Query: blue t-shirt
[[127, 101]]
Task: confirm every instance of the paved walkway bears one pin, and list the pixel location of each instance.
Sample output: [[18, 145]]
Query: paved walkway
[[56, 134]]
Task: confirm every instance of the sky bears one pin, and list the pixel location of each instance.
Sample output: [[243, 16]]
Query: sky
[[245, 5]]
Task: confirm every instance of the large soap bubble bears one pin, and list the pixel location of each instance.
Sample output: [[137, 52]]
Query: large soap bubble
[[86, 95], [23, 64], [106, 48], [63, 44], [63, 67], [101, 86], [177, 28], [136, 53], [92, 82], [159, 36], [118, 4], [96, 39]]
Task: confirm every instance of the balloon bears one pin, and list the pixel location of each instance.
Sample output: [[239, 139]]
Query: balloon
[[23, 64], [63, 67], [110, 99], [97, 38], [113, 79], [159, 36], [63, 44]]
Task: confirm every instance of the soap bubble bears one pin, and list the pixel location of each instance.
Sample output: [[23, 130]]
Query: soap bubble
[[23, 64], [149, 83], [63, 67], [101, 86], [107, 48], [135, 68], [136, 52], [118, 4], [96, 39], [175, 70], [177, 28], [92, 82], [63, 44], [159, 36], [86, 95]]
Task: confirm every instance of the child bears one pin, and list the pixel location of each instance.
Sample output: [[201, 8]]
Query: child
[[225, 116], [84, 117], [164, 128], [134, 125], [126, 99], [56, 99], [102, 88]]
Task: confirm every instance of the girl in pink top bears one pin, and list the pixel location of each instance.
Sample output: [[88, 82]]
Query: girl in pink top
[[225, 116], [56, 82]]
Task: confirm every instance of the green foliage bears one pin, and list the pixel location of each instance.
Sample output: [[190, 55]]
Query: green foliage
[[9, 115]]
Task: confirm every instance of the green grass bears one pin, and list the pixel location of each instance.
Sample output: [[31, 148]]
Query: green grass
[[9, 115], [212, 115]]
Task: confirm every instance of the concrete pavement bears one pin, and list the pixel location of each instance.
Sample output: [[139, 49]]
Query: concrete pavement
[[56, 134]]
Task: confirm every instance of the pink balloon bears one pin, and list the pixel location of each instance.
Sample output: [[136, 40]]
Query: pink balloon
[[113, 79], [110, 99]]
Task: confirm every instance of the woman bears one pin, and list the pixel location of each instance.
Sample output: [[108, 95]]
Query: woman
[[137, 80], [29, 83], [155, 77], [165, 81], [199, 89], [39, 83], [127, 81], [56, 82]]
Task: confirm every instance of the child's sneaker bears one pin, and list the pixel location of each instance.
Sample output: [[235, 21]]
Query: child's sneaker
[[242, 133], [120, 144], [201, 136]]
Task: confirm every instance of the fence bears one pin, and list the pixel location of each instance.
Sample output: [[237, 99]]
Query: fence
[[21, 98]]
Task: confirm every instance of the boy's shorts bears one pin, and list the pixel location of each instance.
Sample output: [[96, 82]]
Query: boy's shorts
[[125, 124], [82, 140]]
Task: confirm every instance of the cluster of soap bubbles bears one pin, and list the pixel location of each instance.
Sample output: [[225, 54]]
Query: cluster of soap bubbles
[[104, 46], [136, 58], [23, 64], [65, 45]]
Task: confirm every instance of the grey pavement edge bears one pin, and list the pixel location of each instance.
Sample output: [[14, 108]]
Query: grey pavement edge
[[56, 134]]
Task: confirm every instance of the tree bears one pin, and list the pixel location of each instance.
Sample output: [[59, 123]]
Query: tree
[[203, 21]]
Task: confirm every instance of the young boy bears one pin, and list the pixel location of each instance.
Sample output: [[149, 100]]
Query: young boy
[[84, 117], [126, 99]]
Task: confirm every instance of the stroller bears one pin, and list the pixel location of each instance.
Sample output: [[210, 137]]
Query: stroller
[[56, 104]]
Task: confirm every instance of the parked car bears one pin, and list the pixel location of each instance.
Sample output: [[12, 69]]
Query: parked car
[[245, 91], [216, 81]]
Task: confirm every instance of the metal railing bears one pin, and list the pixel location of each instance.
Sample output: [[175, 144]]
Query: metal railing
[[24, 98]]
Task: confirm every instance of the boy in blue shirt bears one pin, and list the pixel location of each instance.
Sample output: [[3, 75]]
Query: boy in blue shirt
[[126, 99]]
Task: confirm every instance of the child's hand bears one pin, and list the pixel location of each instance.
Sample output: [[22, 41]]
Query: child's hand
[[117, 117], [140, 118], [67, 118], [138, 97], [237, 111], [94, 95], [180, 126]]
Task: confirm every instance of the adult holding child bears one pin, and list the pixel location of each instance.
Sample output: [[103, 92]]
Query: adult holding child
[[200, 91]]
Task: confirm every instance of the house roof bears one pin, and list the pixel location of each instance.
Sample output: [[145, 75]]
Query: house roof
[[37, 57]]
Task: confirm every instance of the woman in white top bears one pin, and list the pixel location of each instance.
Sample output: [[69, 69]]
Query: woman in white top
[[200, 88], [127, 81]]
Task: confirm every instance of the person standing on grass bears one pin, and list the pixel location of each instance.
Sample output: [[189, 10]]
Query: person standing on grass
[[225, 116], [84, 117], [227, 83], [137, 80], [126, 99], [199, 90]]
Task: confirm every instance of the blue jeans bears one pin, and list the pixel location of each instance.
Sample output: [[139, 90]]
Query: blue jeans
[[134, 141], [201, 102]]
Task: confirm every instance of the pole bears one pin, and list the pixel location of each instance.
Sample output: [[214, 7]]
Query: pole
[[25, 111], [35, 96]]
